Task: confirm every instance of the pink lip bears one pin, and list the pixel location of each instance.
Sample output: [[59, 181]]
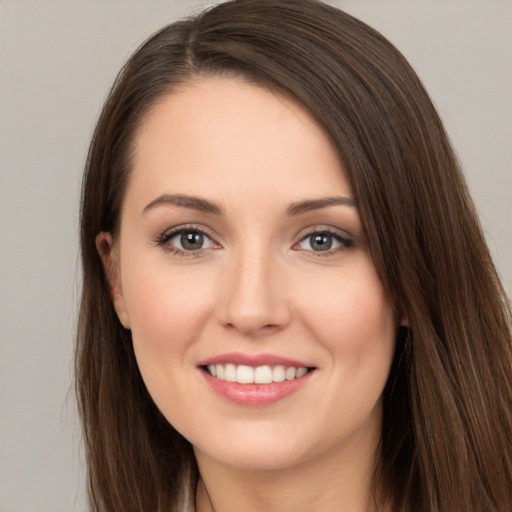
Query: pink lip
[[253, 360], [255, 394]]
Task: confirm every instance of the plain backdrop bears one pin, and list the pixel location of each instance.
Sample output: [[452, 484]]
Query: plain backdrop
[[57, 62]]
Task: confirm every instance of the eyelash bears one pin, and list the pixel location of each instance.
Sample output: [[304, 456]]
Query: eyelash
[[163, 241], [345, 243]]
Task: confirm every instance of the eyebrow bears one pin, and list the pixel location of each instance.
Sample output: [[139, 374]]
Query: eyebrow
[[302, 207], [194, 203], [203, 205]]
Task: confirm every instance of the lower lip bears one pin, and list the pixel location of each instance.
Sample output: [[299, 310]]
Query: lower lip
[[255, 394]]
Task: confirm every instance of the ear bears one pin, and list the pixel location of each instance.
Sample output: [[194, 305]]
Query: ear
[[404, 322], [110, 258]]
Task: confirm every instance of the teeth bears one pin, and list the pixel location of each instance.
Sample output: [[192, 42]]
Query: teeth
[[263, 375], [278, 374], [244, 374], [230, 373], [290, 373], [260, 375], [301, 372]]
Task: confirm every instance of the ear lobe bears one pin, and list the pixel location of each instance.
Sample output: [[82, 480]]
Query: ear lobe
[[109, 257]]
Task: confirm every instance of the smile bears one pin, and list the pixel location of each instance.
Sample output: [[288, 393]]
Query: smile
[[255, 380], [243, 374]]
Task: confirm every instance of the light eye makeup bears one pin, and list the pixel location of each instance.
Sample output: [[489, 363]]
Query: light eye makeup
[[323, 242], [186, 241], [192, 240]]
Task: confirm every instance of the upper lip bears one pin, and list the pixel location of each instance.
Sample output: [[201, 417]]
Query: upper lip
[[254, 360]]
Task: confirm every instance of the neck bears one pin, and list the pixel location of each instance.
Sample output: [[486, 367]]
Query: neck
[[339, 481]]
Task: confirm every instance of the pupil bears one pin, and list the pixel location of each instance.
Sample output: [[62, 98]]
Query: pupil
[[191, 241], [321, 242]]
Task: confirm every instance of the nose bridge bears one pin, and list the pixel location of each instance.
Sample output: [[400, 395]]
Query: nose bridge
[[254, 299]]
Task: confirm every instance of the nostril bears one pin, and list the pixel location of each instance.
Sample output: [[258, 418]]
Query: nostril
[[252, 326], [252, 299]]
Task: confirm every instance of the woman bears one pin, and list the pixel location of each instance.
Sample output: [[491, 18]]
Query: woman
[[288, 302]]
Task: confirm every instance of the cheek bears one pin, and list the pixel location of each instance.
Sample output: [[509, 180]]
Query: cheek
[[350, 315], [349, 307], [167, 308], [355, 323]]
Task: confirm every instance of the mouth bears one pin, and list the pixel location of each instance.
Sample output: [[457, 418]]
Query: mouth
[[255, 380], [265, 374]]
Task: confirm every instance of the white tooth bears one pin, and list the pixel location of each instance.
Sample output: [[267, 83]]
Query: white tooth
[[301, 372], [212, 369], [263, 375], [278, 373], [230, 373], [244, 374], [220, 371], [290, 373]]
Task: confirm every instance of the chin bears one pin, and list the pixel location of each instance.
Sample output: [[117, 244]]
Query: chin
[[263, 446], [292, 442], [253, 458]]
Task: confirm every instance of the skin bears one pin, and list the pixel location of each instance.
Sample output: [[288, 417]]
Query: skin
[[257, 285]]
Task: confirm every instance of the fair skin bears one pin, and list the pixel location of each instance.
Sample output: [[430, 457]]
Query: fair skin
[[256, 267]]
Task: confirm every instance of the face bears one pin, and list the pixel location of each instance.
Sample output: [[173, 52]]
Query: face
[[260, 326]]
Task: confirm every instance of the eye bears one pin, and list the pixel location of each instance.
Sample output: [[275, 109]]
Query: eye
[[323, 241], [186, 240]]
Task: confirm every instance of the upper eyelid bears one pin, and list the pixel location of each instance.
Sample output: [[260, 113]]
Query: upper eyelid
[[170, 233], [345, 241], [299, 237], [187, 227], [343, 233]]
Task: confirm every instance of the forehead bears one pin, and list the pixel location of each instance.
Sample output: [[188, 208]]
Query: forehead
[[219, 135]]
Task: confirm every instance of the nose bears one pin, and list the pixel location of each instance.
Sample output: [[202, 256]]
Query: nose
[[254, 298]]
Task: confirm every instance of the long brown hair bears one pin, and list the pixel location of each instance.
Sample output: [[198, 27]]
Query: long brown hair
[[447, 432]]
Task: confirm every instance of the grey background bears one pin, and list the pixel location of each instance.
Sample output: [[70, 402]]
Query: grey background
[[57, 62]]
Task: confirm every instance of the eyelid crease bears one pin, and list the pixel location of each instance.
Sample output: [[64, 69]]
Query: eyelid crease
[[343, 240], [161, 240], [325, 228]]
